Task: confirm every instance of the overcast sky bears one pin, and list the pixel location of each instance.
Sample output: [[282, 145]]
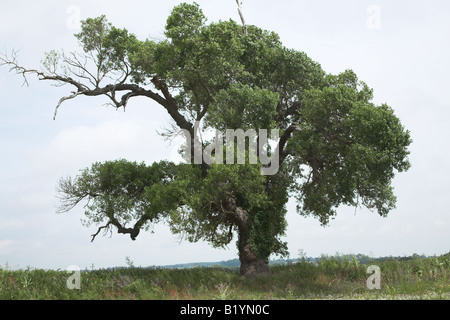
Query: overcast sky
[[399, 48]]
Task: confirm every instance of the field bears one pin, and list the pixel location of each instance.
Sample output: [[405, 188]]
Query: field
[[329, 277]]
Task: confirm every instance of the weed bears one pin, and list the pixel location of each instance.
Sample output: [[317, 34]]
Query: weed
[[222, 289]]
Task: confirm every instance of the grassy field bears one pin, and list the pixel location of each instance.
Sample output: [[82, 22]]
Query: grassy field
[[333, 277]]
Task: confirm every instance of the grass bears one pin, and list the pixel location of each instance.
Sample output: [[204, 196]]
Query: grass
[[335, 277]]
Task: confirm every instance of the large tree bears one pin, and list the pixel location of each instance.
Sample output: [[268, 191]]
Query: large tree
[[335, 146]]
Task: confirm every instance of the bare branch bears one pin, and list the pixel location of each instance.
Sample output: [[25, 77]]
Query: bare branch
[[78, 68], [100, 229], [71, 195], [5, 60], [242, 17], [74, 95], [82, 67]]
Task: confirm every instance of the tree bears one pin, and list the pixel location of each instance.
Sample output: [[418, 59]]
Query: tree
[[335, 147]]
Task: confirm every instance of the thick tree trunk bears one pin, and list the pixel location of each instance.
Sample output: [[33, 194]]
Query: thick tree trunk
[[251, 264]]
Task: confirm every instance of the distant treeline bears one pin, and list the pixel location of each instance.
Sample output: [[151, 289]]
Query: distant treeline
[[234, 263]]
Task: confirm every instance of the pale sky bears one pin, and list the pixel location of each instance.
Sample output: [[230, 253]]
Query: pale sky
[[399, 48]]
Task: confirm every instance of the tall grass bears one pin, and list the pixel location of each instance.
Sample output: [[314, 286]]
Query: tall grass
[[330, 277]]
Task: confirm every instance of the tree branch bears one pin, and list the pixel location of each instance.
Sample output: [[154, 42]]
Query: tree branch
[[79, 69], [133, 232], [100, 229], [284, 139], [171, 105], [74, 95], [242, 17], [108, 90], [283, 113]]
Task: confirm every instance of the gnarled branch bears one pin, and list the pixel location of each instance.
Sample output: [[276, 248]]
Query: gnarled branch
[[133, 232]]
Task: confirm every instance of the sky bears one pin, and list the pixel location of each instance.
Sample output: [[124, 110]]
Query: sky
[[400, 49]]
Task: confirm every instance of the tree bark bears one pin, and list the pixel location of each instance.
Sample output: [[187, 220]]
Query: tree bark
[[252, 265]]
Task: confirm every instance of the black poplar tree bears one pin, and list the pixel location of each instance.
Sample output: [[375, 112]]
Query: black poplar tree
[[335, 145]]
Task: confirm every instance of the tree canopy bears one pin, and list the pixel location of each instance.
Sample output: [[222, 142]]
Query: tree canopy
[[336, 147]]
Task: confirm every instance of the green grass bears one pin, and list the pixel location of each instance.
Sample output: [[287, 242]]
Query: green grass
[[335, 277]]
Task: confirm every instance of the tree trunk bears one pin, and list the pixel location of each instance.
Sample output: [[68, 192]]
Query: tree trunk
[[251, 264]]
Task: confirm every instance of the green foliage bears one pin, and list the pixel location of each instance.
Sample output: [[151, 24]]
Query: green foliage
[[243, 107], [122, 190], [184, 22], [352, 147], [267, 227], [110, 48], [93, 33]]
